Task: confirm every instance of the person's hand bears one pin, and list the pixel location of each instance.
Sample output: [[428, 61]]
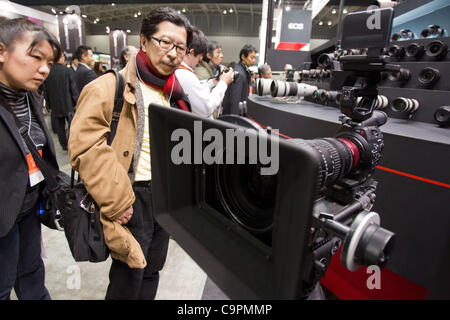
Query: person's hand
[[227, 76], [125, 217]]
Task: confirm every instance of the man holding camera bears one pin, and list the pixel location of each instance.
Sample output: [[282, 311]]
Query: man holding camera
[[206, 96], [118, 177], [238, 91]]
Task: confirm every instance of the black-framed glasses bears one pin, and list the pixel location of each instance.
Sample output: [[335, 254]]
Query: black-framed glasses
[[168, 45]]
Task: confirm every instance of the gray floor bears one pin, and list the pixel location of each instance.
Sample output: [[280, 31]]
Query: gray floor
[[181, 278]]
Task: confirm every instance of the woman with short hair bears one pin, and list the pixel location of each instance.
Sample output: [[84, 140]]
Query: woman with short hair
[[27, 52]]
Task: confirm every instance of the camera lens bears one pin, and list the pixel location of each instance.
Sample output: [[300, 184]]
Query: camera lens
[[248, 196], [404, 105], [381, 102], [396, 51], [436, 49], [292, 88], [336, 157], [263, 86], [278, 88], [428, 76], [400, 105], [442, 115], [407, 34], [414, 50], [432, 31], [324, 96], [316, 95], [325, 60], [396, 37], [425, 33], [401, 75], [338, 98], [305, 74]]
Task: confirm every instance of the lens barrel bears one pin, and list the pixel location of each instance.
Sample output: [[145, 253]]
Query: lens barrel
[[402, 75], [414, 50], [263, 86], [396, 51], [436, 49], [428, 76], [280, 88], [404, 105], [433, 31], [442, 115]]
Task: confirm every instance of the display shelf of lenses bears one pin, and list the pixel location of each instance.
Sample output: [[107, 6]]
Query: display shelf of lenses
[[420, 91]]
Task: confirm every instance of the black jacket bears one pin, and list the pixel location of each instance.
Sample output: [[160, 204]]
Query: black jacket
[[84, 76], [237, 91], [14, 168], [61, 91]]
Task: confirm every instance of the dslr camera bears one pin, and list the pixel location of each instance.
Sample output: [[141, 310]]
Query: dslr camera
[[223, 69]]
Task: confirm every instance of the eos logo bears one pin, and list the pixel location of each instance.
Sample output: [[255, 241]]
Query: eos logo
[[295, 26]]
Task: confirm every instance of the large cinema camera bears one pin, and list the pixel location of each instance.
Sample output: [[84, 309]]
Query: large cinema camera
[[267, 227]]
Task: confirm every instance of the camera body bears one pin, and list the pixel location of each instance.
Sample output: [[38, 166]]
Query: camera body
[[223, 69]]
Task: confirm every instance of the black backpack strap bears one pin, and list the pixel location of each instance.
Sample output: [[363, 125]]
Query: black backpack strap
[[118, 104]]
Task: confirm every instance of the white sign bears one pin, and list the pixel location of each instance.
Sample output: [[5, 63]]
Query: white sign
[[296, 26]]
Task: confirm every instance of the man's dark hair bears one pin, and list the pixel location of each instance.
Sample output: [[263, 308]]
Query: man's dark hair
[[125, 52], [81, 50], [13, 30], [156, 16], [262, 69], [199, 42], [246, 51], [212, 45]]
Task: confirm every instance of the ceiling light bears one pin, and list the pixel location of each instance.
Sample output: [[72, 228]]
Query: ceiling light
[[128, 30], [61, 12], [84, 16], [113, 4], [135, 15], [107, 29], [345, 11], [288, 8], [320, 23], [224, 11], [333, 11], [95, 21], [139, 13], [54, 11], [329, 23], [231, 10], [184, 10]]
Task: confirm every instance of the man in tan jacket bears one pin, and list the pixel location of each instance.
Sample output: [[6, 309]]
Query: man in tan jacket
[[118, 177]]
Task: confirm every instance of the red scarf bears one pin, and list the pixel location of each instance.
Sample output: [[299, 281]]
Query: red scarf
[[168, 84]]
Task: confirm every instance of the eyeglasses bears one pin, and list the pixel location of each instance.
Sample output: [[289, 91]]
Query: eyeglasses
[[168, 45]]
